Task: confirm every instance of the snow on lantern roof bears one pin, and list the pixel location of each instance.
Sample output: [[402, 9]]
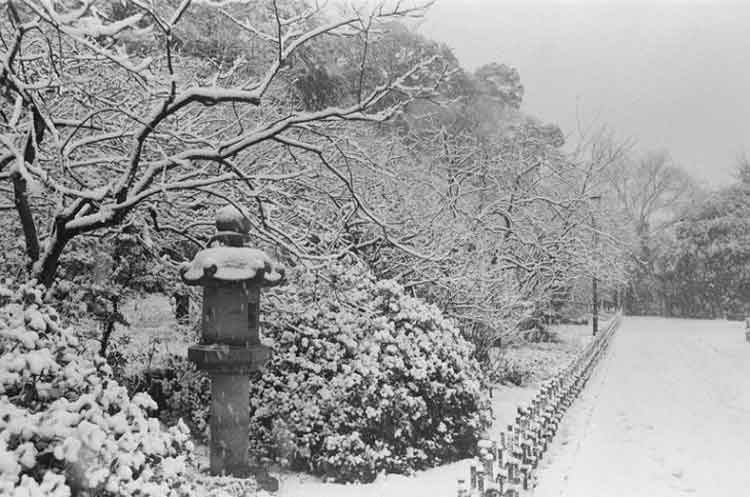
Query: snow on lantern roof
[[231, 261], [224, 264]]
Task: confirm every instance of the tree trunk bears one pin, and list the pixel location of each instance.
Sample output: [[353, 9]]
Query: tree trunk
[[109, 327], [45, 269], [20, 193]]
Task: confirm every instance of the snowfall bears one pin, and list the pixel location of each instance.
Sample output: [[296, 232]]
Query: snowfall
[[666, 413]]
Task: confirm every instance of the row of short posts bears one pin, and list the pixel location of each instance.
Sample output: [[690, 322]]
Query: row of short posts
[[507, 467]]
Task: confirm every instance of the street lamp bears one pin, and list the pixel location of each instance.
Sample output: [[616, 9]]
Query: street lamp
[[594, 281]]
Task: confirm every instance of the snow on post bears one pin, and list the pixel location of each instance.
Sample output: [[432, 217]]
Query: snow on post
[[231, 275]]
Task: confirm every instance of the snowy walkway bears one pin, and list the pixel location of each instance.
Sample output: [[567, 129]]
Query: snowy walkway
[[667, 413]]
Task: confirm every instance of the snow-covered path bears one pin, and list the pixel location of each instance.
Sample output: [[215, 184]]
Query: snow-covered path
[[666, 413]]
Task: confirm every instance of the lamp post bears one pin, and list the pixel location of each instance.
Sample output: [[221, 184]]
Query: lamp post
[[594, 280], [595, 310]]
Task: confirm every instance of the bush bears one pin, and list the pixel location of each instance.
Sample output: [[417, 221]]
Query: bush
[[67, 428], [363, 379], [507, 372], [181, 392]]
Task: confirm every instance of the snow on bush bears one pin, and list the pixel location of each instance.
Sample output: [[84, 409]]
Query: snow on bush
[[66, 427], [363, 379], [181, 392]]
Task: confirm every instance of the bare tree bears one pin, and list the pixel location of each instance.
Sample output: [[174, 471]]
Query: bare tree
[[104, 115], [652, 190], [512, 210]]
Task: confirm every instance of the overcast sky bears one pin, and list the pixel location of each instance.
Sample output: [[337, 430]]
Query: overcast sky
[[666, 73]]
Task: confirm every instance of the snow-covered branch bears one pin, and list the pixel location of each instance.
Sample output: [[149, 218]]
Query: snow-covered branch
[[114, 116]]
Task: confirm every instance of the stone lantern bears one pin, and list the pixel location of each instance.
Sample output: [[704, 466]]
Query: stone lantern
[[231, 275]]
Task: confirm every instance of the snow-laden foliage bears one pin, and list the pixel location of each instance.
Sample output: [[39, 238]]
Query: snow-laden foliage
[[181, 391], [66, 427], [363, 379]]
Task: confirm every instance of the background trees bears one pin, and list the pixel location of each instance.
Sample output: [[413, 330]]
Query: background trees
[[130, 123], [493, 188], [118, 111], [704, 267], [653, 194]]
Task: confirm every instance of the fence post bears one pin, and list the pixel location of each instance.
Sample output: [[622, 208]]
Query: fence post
[[510, 466]]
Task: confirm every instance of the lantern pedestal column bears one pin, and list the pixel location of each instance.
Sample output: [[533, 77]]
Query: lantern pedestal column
[[230, 421]]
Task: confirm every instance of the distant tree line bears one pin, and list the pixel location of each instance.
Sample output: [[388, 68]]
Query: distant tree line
[[692, 252]]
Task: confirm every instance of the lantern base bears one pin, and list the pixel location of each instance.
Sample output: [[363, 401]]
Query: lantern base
[[264, 479]]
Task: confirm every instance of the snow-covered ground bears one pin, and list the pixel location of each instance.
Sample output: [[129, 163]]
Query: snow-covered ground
[[667, 413]]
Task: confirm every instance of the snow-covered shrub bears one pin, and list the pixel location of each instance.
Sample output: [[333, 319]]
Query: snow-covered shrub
[[181, 392], [66, 427], [508, 372], [363, 379]]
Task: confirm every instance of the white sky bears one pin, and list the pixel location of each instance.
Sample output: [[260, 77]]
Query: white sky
[[666, 73]]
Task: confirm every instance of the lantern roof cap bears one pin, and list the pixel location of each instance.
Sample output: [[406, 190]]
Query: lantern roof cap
[[231, 260], [229, 218]]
